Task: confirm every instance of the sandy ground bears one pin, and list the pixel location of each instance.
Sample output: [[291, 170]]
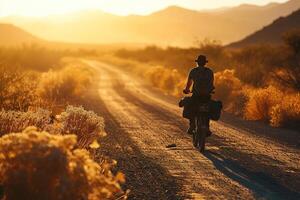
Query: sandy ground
[[239, 163]]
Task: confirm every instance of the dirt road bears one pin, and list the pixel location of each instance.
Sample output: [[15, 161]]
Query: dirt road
[[141, 122]]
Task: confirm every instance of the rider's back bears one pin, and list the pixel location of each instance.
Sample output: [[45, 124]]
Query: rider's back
[[203, 79]]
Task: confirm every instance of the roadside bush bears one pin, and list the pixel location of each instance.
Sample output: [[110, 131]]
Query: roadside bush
[[66, 85], [17, 88], [288, 76], [16, 121], [261, 102], [229, 90], [31, 57], [169, 80], [177, 58], [38, 165], [253, 64], [86, 125], [287, 112]]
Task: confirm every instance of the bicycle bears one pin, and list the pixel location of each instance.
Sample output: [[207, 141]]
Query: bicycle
[[201, 123], [201, 129]]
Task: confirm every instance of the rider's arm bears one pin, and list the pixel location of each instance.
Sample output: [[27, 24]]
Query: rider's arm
[[212, 81], [188, 84]]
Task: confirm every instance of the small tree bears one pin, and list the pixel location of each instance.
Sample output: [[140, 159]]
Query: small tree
[[289, 75], [292, 39]]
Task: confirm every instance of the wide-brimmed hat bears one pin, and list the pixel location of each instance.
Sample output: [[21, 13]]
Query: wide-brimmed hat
[[201, 58]]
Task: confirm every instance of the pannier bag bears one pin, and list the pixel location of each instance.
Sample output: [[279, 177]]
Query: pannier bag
[[188, 107], [215, 109], [189, 110]]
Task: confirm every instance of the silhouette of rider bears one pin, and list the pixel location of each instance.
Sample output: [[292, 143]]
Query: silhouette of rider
[[202, 79]]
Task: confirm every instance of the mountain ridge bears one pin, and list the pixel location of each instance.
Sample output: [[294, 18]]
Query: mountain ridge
[[271, 34], [11, 35], [172, 26]]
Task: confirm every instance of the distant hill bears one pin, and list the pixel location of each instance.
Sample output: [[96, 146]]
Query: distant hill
[[174, 25], [11, 35], [273, 33]]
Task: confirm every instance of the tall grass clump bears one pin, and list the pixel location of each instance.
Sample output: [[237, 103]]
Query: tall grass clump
[[86, 125], [39, 165]]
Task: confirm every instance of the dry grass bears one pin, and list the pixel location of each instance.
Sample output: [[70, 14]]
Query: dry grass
[[39, 165]]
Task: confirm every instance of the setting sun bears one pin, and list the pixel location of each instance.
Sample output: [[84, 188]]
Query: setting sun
[[119, 7]]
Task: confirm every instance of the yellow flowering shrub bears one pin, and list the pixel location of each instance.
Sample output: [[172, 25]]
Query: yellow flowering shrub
[[39, 165]]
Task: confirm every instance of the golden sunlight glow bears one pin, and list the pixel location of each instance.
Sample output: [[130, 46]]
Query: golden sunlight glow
[[119, 7]]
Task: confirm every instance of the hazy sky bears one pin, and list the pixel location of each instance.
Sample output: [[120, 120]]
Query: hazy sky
[[120, 7]]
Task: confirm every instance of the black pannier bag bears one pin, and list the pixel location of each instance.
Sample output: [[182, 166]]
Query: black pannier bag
[[215, 109], [188, 107], [189, 110]]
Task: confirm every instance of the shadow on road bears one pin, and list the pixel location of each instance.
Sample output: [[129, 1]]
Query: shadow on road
[[262, 185]]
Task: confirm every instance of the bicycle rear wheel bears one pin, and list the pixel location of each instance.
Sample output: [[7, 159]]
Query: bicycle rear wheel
[[201, 133]]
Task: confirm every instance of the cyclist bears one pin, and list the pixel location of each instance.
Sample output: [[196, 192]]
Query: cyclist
[[202, 79]]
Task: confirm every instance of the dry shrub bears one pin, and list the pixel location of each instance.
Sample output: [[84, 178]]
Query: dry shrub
[[261, 102], [15, 121], [17, 88], [287, 112], [156, 75], [181, 59], [66, 85], [132, 66], [86, 125], [38, 165], [254, 63], [31, 57], [229, 90], [169, 80]]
